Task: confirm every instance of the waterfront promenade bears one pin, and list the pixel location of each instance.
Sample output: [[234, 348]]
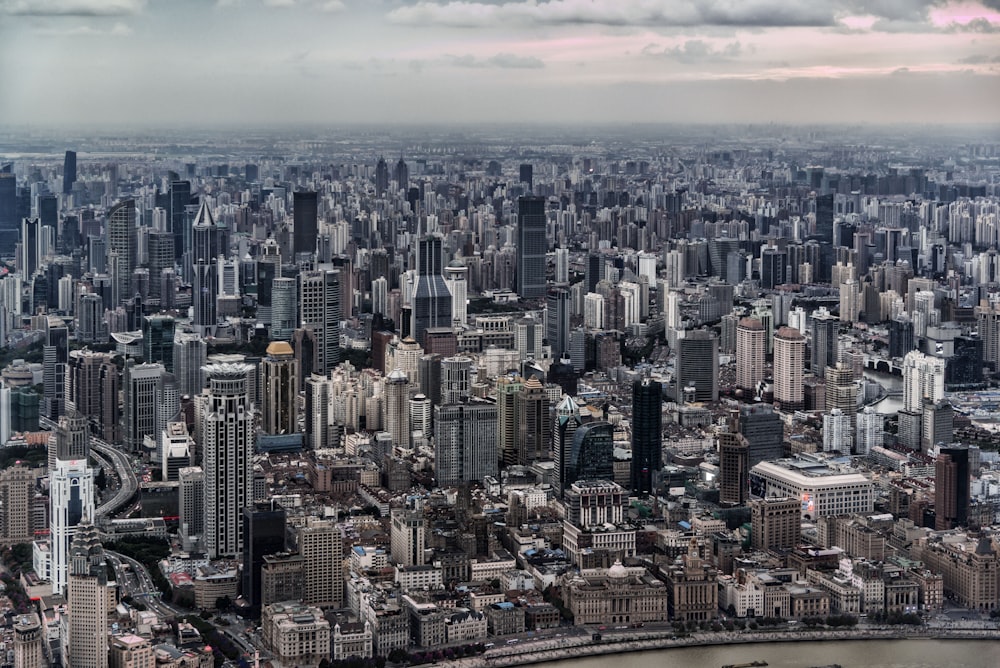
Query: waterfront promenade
[[560, 649]]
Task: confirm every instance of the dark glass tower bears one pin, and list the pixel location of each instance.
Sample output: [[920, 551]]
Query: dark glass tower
[[647, 428], [381, 177], [764, 432], [431, 298], [951, 488], [557, 322], [69, 172], [158, 340], [8, 210], [526, 175], [263, 534], [592, 454], [531, 247], [825, 332], [180, 197], [306, 213]]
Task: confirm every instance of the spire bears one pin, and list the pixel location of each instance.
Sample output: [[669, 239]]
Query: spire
[[204, 217]]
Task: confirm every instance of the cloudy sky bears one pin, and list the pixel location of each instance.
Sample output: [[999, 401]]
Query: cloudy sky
[[466, 61]]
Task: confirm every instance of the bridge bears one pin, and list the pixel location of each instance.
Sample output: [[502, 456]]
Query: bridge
[[883, 365]]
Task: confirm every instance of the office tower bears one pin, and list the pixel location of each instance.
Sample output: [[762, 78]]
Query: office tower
[[191, 504], [508, 420], [395, 408], [594, 271], [268, 268], [319, 310], [938, 424], [591, 455], [557, 321], [190, 353], [562, 266], [841, 391], [17, 489], [837, 432], [455, 379], [280, 377], [381, 176], [321, 544], [284, 308], [180, 198], [30, 246], [789, 362], [764, 432], [465, 442], [28, 638], [263, 534], [567, 421], [122, 249], [380, 296], [87, 600], [71, 500], [429, 371], [698, 364], [455, 277], [158, 340], [825, 333], [168, 408], [525, 175], [176, 449], [869, 432], [923, 380], [421, 415], [317, 412], [951, 488], [531, 247], [401, 174], [407, 537], [532, 408], [772, 268], [91, 326], [734, 468], [9, 220], [430, 299], [141, 382], [70, 440], [205, 286], [305, 224], [227, 433], [160, 250], [647, 430], [775, 523], [751, 345], [55, 355], [69, 172]]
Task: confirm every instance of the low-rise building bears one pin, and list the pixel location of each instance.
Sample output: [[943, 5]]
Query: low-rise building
[[352, 640], [616, 595], [296, 634], [692, 587], [131, 651], [464, 625], [505, 619]]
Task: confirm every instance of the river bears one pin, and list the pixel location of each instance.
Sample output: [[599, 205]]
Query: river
[[847, 653], [889, 405]]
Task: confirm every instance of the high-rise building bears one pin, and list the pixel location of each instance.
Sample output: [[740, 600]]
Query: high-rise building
[[180, 198], [455, 277], [9, 220], [191, 502], [227, 432], [951, 488], [122, 249], [158, 340], [55, 355], [401, 174], [751, 349], [71, 499], [557, 319], [87, 601], [764, 432], [28, 638], [789, 362], [284, 308], [407, 537], [567, 422], [532, 408], [279, 374], [825, 334], [131, 651], [465, 442], [70, 440], [320, 310], [698, 364], [869, 432], [734, 468], [591, 455], [837, 432], [775, 523], [305, 213], [30, 246], [190, 354], [531, 247], [69, 172], [141, 384], [396, 413], [381, 176], [263, 534], [923, 380], [455, 379], [17, 489], [841, 392], [525, 175], [647, 435], [508, 429], [160, 252], [431, 299], [321, 544], [317, 412], [91, 326], [207, 246]]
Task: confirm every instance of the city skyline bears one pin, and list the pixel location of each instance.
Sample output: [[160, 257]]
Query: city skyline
[[632, 61]]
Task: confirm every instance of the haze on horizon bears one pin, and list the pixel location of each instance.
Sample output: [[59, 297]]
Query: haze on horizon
[[275, 62]]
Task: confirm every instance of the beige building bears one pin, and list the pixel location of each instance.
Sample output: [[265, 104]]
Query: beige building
[[751, 349], [617, 595], [87, 601], [351, 640], [321, 544], [131, 651], [28, 638], [789, 362], [969, 567], [692, 587], [775, 523], [280, 378], [296, 634], [17, 488], [281, 577]]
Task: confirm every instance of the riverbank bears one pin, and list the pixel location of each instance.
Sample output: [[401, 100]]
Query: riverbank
[[573, 648]]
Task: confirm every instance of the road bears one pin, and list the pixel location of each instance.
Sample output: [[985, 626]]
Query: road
[[128, 482], [140, 585]]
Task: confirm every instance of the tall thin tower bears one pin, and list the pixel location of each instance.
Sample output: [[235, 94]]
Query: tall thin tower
[[531, 247], [122, 247], [647, 428], [431, 298]]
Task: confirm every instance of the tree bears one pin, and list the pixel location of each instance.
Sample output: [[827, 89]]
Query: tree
[[223, 603]]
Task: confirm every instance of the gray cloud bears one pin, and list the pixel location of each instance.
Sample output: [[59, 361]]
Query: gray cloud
[[979, 59], [71, 7], [501, 60], [697, 51], [975, 25]]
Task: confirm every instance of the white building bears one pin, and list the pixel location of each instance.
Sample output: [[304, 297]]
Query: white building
[[296, 634], [923, 380], [869, 431], [823, 488], [71, 497], [837, 435]]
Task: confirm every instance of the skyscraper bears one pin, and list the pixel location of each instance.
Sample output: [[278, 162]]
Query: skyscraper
[[698, 364], [321, 544], [141, 383], [17, 489], [531, 247], [532, 407], [567, 422], [431, 299], [381, 176], [279, 374], [55, 355], [227, 442], [557, 321], [455, 278], [319, 310], [825, 333], [69, 172], [317, 411], [465, 442], [734, 467], [158, 340], [180, 197], [455, 378], [591, 456], [508, 430], [190, 353], [122, 249], [28, 638], [951, 488], [263, 534], [841, 392], [205, 285], [764, 432], [525, 175], [647, 437], [305, 210], [71, 499], [789, 362], [30, 241], [191, 502], [87, 601], [751, 347], [396, 408]]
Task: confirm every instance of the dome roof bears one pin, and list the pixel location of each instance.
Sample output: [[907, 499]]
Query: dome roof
[[617, 570]]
